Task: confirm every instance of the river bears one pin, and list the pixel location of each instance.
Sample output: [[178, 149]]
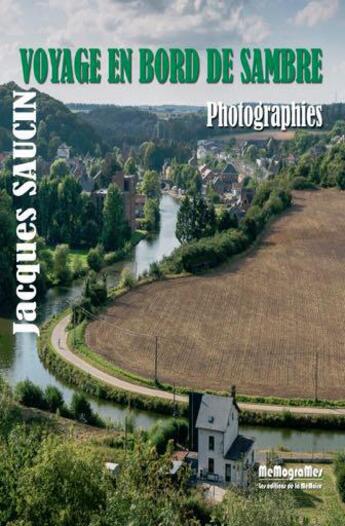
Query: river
[[19, 358]]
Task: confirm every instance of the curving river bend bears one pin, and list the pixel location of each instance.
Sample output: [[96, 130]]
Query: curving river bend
[[19, 358]]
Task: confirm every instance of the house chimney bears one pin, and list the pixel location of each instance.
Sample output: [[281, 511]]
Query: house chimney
[[233, 392]]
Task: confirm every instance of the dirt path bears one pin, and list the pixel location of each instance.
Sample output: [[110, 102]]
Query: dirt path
[[59, 342]]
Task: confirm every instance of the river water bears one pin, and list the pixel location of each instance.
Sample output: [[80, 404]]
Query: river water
[[19, 358]]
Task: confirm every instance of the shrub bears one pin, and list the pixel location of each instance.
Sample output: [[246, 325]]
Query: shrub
[[155, 270], [164, 431], [301, 183], [29, 394], [95, 259], [127, 279], [54, 398], [81, 408]]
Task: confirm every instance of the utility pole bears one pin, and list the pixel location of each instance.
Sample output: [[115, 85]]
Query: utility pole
[[316, 374], [156, 361], [73, 323]]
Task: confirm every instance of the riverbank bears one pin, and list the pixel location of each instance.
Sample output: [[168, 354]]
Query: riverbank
[[100, 383]]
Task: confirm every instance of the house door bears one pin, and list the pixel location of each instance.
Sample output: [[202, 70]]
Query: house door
[[211, 465], [227, 472]]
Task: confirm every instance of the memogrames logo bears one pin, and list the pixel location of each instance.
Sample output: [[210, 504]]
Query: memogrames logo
[[278, 477], [279, 472]]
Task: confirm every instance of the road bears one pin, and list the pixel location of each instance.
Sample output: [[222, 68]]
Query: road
[[59, 342]]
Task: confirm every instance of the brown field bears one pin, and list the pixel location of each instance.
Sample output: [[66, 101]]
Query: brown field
[[258, 322]]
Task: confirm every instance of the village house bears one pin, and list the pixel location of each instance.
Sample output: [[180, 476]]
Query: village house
[[224, 455], [63, 152]]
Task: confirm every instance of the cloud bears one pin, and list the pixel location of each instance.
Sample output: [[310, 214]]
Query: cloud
[[316, 11], [158, 22]]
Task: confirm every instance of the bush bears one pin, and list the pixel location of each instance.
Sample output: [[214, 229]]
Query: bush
[[155, 270], [29, 394], [164, 431], [53, 398], [95, 259], [301, 183], [81, 408], [127, 279]]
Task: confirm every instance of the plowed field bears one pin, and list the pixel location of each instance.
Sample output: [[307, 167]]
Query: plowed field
[[262, 322]]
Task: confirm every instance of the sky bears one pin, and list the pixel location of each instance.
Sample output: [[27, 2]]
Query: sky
[[178, 23]]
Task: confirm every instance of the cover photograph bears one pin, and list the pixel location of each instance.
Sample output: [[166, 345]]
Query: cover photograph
[[172, 263]]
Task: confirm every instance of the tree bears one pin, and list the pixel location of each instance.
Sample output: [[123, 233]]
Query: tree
[[59, 169], [340, 178], [185, 221], [151, 214], [7, 252], [130, 166], [151, 184], [53, 398], [65, 486], [226, 220], [113, 219], [95, 259], [62, 272], [80, 408]]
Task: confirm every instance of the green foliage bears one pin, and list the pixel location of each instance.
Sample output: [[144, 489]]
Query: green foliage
[[57, 124], [151, 184], [95, 258], [186, 177], [339, 470], [175, 429], [53, 398], [259, 509], [130, 166], [155, 270], [127, 279], [7, 252], [95, 290], [65, 485], [195, 219], [113, 234], [226, 219], [300, 183], [152, 214], [59, 169], [29, 394], [61, 269]]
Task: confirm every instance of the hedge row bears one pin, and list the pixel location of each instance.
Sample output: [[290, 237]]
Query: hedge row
[[293, 420], [209, 252], [74, 376]]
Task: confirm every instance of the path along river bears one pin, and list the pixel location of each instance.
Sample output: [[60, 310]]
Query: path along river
[[19, 358]]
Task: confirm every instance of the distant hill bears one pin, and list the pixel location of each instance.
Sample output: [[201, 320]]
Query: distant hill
[[57, 124]]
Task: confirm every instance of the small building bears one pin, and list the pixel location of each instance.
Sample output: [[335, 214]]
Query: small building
[[112, 468], [63, 152], [224, 455]]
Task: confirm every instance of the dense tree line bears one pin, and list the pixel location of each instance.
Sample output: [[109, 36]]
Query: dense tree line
[[202, 250], [57, 124]]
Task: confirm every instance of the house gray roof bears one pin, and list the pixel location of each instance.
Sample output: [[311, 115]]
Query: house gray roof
[[239, 448], [214, 412]]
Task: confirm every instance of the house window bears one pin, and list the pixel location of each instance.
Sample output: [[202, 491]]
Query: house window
[[211, 465], [211, 443]]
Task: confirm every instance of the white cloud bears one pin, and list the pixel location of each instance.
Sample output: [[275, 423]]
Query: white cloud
[[316, 11]]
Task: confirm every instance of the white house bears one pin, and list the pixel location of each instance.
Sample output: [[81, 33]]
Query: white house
[[223, 454], [63, 152]]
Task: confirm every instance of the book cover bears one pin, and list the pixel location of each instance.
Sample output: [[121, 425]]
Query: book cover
[[172, 179]]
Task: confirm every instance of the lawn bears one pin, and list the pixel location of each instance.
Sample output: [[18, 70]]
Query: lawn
[[320, 505]]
